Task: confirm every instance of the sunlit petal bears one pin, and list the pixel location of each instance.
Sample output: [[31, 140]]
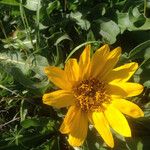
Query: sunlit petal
[[84, 62], [126, 89], [58, 77], [65, 126], [122, 73], [58, 99], [78, 129], [98, 60], [101, 124], [117, 121], [72, 70], [128, 108], [112, 60]]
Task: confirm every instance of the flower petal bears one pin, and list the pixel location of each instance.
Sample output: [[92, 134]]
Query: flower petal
[[58, 77], [65, 126], [112, 60], [117, 121], [98, 60], [84, 62], [116, 91], [126, 89], [128, 108], [58, 99], [72, 70], [122, 73], [103, 128], [78, 128]]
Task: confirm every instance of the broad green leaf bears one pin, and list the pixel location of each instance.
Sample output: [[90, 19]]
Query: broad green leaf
[[78, 18], [108, 30], [132, 20], [33, 5], [36, 87], [33, 62], [16, 60], [39, 63], [9, 2], [20, 69], [123, 21], [147, 8], [20, 44]]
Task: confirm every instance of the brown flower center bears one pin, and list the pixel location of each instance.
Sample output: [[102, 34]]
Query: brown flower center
[[91, 95]]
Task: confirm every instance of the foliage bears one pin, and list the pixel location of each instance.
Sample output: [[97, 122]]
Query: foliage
[[34, 34]]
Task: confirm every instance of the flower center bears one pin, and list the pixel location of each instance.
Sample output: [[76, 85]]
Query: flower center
[[91, 95]]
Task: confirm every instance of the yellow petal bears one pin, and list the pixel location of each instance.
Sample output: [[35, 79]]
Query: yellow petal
[[112, 60], [98, 60], [128, 108], [58, 77], [101, 124], [58, 99], [72, 70], [126, 89], [84, 62], [117, 121], [65, 126], [116, 91], [78, 129], [64, 129], [122, 73]]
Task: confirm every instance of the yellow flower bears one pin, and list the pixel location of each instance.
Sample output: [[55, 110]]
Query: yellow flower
[[94, 93]]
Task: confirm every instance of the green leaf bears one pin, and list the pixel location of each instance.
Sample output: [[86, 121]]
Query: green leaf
[[108, 30], [38, 64], [23, 110], [5, 88], [132, 20], [16, 60], [59, 55], [123, 21], [78, 18], [62, 38], [52, 6], [142, 75], [22, 70], [33, 5], [36, 87], [34, 122], [34, 62], [9, 2], [140, 51]]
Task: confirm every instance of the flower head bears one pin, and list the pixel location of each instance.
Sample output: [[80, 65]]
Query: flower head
[[94, 93]]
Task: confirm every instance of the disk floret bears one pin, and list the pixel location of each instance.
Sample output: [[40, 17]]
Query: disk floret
[[91, 95]]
